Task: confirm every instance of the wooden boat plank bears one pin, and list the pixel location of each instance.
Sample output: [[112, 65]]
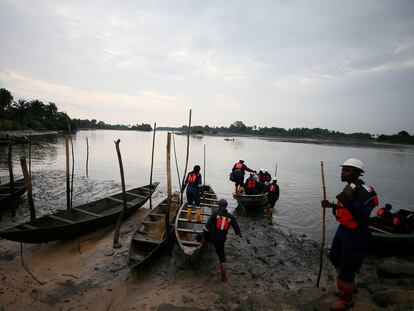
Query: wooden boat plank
[[191, 243], [85, 212], [188, 230], [62, 219], [194, 212], [119, 201], [192, 221], [147, 240], [148, 222], [27, 226], [136, 195]]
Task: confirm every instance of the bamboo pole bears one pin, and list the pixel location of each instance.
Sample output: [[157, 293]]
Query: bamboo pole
[[169, 187], [152, 163], [275, 169], [28, 181], [68, 206], [176, 161], [116, 244], [188, 152], [73, 161], [10, 165], [30, 155], [87, 157], [323, 225], [204, 166]]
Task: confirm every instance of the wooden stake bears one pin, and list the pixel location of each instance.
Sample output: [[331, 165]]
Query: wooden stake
[[10, 165], [275, 169], [176, 162], [323, 226], [152, 163], [204, 165], [28, 181], [169, 187], [73, 161], [121, 215], [188, 152], [30, 155], [68, 206], [87, 157]]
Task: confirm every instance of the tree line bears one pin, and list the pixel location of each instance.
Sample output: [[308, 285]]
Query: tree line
[[36, 115]]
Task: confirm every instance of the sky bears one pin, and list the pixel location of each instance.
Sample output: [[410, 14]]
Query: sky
[[342, 65]]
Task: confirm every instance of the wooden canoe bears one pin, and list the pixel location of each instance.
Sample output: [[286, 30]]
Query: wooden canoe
[[385, 239], [151, 235], [251, 202], [6, 198], [186, 231], [79, 220]]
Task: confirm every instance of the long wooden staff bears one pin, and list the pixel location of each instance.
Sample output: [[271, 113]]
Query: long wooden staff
[[323, 226], [188, 152], [176, 161], [116, 244], [152, 164]]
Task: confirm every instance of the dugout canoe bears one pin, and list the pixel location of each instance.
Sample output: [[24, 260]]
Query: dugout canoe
[[251, 202], [186, 231], [151, 235], [385, 239], [6, 198], [79, 220]]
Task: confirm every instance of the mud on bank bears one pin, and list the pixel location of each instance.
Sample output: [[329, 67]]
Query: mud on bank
[[268, 270]]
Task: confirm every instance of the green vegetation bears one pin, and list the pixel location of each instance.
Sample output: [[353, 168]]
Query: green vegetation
[[402, 137], [34, 114]]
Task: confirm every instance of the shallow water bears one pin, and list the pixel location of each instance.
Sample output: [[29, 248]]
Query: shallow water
[[389, 169]]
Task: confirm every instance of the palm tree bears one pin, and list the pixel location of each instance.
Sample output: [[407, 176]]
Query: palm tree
[[20, 111]]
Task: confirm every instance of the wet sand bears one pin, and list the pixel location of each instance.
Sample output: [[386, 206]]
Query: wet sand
[[268, 270]]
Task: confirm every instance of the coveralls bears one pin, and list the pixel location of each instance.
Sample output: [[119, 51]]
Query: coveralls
[[238, 170], [194, 186], [273, 192]]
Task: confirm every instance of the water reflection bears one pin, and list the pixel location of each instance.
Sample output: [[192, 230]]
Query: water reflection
[[389, 170]]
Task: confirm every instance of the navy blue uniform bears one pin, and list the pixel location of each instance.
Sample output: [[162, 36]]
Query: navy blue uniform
[[194, 186], [350, 244], [273, 192], [238, 170], [216, 229]]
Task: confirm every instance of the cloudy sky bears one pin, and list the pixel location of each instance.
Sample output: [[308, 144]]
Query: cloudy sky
[[341, 65]]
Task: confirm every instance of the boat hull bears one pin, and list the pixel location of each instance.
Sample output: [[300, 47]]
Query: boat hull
[[251, 202]]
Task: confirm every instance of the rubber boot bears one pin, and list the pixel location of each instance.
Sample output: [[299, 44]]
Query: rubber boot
[[223, 272], [344, 301], [338, 273], [270, 212], [189, 212], [198, 214]]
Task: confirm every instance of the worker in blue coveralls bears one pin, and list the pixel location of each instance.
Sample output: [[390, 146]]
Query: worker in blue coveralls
[[350, 244], [238, 170], [193, 182]]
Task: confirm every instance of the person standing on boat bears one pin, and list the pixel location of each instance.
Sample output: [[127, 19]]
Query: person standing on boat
[[251, 185], [215, 231], [273, 192], [238, 170], [349, 246], [194, 185]]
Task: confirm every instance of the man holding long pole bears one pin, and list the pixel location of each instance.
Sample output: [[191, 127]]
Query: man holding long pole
[[349, 246]]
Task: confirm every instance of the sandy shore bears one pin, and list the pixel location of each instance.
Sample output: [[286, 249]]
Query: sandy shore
[[268, 270]]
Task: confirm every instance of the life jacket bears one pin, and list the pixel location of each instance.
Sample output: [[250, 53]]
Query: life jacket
[[267, 177], [381, 212], [272, 188], [251, 184], [396, 220], [222, 223], [239, 166], [192, 177], [344, 216]]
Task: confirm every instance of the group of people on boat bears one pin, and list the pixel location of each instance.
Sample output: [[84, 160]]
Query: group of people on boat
[[401, 221]]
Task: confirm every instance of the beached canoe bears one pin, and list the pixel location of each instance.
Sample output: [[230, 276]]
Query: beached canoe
[[385, 239], [151, 235], [251, 202], [6, 198], [186, 231], [79, 220]]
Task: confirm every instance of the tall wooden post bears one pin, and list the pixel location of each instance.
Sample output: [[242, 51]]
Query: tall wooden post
[[10, 165], [68, 206], [87, 157], [323, 226], [28, 181], [30, 155], [188, 152], [116, 244], [176, 161], [152, 163], [73, 160], [169, 186]]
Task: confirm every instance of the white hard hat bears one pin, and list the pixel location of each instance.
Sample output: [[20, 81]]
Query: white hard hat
[[261, 170], [354, 163], [274, 179], [241, 159], [266, 171]]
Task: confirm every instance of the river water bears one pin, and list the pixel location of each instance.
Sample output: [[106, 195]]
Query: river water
[[390, 169]]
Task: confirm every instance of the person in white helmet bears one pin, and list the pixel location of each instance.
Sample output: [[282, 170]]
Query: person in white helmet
[[273, 192], [238, 172], [350, 244]]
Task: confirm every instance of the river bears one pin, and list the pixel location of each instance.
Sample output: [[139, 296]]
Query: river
[[390, 169]]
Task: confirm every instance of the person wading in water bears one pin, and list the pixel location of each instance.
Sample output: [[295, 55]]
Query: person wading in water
[[350, 244]]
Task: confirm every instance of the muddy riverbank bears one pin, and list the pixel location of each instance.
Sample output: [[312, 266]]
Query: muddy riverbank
[[268, 269]]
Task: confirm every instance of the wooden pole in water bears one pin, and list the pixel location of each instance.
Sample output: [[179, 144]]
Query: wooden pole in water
[[67, 173], [121, 215], [28, 181], [152, 163], [204, 165], [169, 186], [176, 161], [188, 152], [323, 226], [275, 169], [87, 157], [10, 165], [73, 161], [30, 155]]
